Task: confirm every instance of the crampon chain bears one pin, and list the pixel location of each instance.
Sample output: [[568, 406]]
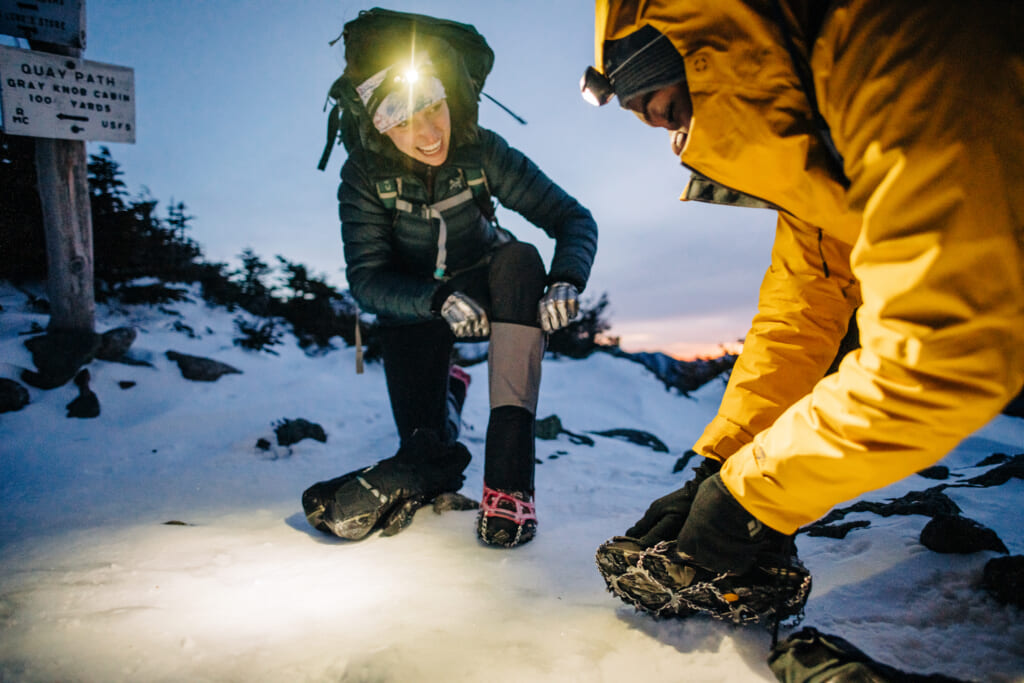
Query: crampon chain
[[654, 591]]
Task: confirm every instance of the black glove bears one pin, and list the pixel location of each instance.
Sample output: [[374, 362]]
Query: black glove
[[720, 535], [387, 494], [665, 517]]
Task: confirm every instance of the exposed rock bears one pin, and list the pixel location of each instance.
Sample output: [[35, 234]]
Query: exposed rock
[[550, 427], [114, 344], [930, 502], [994, 459], [58, 356], [641, 438], [13, 396], [87, 404], [956, 534], [200, 369], [836, 530], [293, 431], [683, 460], [1003, 578], [1011, 469], [939, 472], [126, 384]]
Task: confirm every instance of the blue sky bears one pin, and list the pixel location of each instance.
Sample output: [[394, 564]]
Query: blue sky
[[230, 120]]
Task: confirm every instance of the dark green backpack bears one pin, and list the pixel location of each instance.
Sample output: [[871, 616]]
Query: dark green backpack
[[461, 54]]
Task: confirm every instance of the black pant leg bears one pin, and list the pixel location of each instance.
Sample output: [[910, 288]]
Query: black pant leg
[[516, 280], [416, 361]]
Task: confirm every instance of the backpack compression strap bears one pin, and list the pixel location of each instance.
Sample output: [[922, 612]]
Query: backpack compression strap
[[389, 192]]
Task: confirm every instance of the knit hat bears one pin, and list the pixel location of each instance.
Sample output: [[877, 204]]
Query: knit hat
[[644, 61]]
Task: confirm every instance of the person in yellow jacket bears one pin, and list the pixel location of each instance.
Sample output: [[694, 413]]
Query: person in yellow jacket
[[889, 136]]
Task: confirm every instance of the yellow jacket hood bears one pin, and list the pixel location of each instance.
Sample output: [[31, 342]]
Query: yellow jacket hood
[[750, 113]]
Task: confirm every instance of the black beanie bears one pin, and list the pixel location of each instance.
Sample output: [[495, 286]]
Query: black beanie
[[643, 61]]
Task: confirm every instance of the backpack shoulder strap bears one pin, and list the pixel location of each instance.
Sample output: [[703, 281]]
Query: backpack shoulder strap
[[387, 191], [476, 180]]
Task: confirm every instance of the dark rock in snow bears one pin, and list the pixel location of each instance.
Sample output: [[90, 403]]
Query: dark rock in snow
[[13, 396], [939, 472], [58, 356], [87, 404], [200, 369], [114, 344], [548, 428], [1003, 578], [994, 459], [126, 384], [636, 436], [930, 503], [835, 530], [683, 460], [293, 431], [956, 534], [997, 476]]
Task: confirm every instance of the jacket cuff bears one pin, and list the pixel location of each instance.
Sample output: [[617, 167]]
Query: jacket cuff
[[440, 294], [574, 281]]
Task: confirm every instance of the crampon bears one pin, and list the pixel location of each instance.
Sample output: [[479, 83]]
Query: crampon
[[650, 580], [507, 519]]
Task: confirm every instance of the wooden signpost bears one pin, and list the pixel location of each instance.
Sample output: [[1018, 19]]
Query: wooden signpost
[[50, 93]]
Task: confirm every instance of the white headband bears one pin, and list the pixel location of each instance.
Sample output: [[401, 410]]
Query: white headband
[[399, 105]]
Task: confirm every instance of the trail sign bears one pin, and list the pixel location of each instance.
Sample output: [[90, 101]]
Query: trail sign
[[61, 22], [53, 96]]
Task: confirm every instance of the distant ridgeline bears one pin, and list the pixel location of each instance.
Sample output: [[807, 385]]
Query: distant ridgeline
[[684, 376]]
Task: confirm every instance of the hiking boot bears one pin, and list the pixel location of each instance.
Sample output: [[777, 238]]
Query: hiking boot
[[385, 495], [506, 518], [666, 583]]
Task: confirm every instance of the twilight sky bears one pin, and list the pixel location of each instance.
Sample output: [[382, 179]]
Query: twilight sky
[[230, 120]]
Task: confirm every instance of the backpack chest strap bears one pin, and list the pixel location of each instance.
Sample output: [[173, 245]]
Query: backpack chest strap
[[436, 210], [389, 191]]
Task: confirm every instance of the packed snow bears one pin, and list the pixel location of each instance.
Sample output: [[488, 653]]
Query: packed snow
[[96, 585]]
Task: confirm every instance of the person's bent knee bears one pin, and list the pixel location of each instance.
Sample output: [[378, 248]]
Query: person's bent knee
[[517, 278]]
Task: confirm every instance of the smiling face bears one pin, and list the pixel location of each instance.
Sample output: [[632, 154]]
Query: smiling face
[[670, 107], [425, 136]]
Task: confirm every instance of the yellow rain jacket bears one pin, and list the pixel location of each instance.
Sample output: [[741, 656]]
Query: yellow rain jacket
[[925, 101]]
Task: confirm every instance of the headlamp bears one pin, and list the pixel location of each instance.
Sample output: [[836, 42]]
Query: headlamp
[[596, 88], [409, 76]]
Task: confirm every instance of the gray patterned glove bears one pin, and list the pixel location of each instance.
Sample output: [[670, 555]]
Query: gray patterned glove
[[465, 316], [558, 307]]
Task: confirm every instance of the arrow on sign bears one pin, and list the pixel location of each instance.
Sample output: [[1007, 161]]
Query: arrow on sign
[[70, 117]]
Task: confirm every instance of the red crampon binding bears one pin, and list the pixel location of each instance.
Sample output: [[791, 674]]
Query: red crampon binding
[[504, 506]]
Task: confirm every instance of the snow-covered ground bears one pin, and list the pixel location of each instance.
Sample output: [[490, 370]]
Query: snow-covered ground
[[95, 586]]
